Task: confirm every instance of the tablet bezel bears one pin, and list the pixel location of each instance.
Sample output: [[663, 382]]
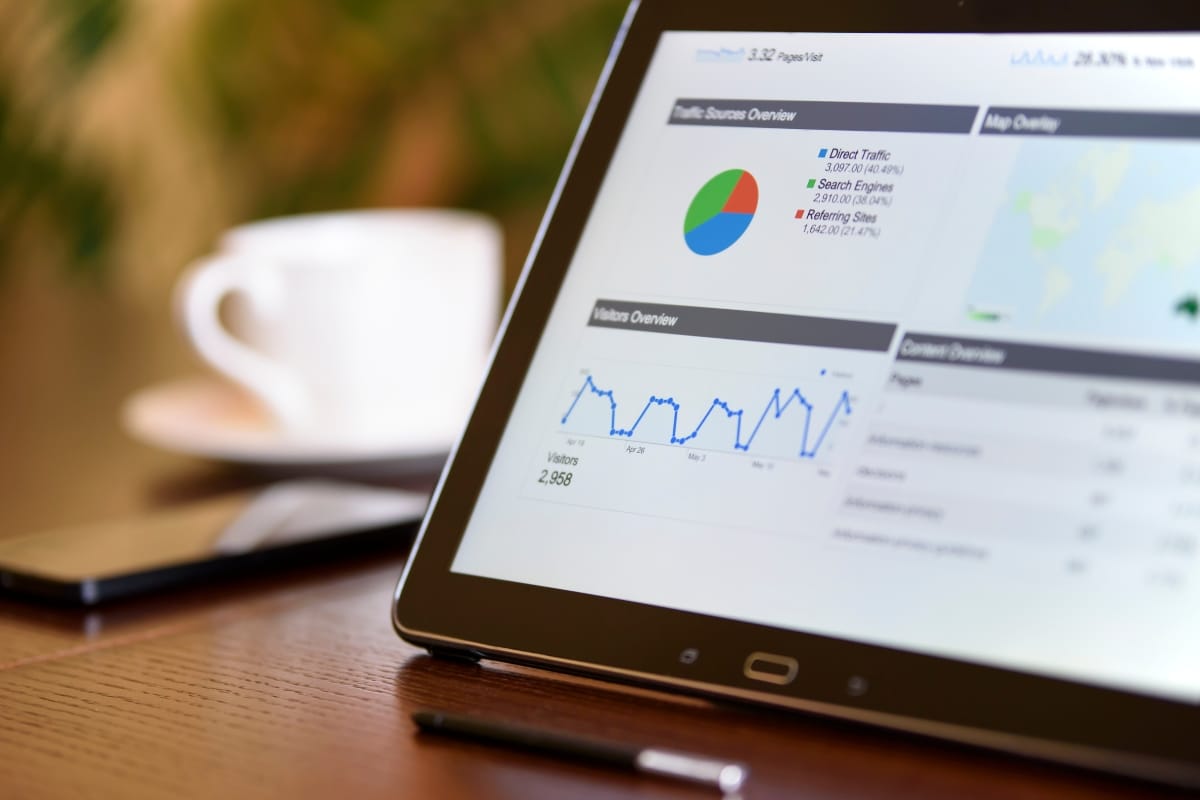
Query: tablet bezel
[[437, 608]]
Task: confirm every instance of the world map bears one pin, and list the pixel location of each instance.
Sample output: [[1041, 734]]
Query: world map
[[1096, 239]]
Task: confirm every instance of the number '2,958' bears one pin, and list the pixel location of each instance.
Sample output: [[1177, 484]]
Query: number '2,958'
[[555, 477]]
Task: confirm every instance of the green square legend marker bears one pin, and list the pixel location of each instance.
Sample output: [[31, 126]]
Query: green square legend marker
[[812, 183]]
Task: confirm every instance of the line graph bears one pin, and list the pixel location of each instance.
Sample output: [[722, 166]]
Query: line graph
[[814, 432]]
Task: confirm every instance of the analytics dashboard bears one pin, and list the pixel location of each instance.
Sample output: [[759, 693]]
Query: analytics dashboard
[[888, 338]]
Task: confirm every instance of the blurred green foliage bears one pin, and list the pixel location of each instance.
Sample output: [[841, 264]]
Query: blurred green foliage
[[361, 60], [41, 186], [308, 105], [88, 26], [71, 200]]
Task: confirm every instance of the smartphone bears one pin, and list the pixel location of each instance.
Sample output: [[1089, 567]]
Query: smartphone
[[285, 524]]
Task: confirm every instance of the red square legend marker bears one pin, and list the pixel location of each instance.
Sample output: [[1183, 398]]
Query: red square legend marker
[[799, 213]]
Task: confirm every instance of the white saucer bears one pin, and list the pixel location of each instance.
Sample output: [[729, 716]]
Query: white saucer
[[211, 418]]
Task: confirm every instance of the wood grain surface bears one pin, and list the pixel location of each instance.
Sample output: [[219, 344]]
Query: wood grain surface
[[304, 691]]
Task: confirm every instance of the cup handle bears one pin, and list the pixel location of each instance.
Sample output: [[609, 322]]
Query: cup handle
[[198, 299]]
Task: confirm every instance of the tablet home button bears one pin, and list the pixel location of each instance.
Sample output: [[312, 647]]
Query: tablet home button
[[770, 668]]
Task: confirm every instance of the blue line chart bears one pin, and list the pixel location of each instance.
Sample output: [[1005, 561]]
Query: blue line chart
[[776, 405]]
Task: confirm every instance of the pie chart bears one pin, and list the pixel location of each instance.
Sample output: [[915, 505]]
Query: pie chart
[[720, 212]]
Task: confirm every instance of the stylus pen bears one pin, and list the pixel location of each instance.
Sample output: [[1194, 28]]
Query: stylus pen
[[724, 775]]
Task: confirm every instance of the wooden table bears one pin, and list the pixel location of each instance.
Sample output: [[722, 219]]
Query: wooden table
[[293, 684]]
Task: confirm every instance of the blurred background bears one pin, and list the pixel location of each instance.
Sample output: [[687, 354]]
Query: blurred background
[[132, 132]]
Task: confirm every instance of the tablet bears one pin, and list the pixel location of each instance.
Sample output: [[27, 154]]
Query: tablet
[[856, 369]]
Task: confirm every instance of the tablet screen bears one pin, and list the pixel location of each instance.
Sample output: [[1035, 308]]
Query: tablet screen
[[889, 338]]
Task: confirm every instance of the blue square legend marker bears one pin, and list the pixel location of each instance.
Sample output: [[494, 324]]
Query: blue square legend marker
[[824, 152]]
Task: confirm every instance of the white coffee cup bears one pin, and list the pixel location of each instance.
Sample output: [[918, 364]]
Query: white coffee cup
[[352, 327]]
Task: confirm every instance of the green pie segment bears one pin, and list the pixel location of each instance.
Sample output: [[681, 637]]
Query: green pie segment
[[720, 212]]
